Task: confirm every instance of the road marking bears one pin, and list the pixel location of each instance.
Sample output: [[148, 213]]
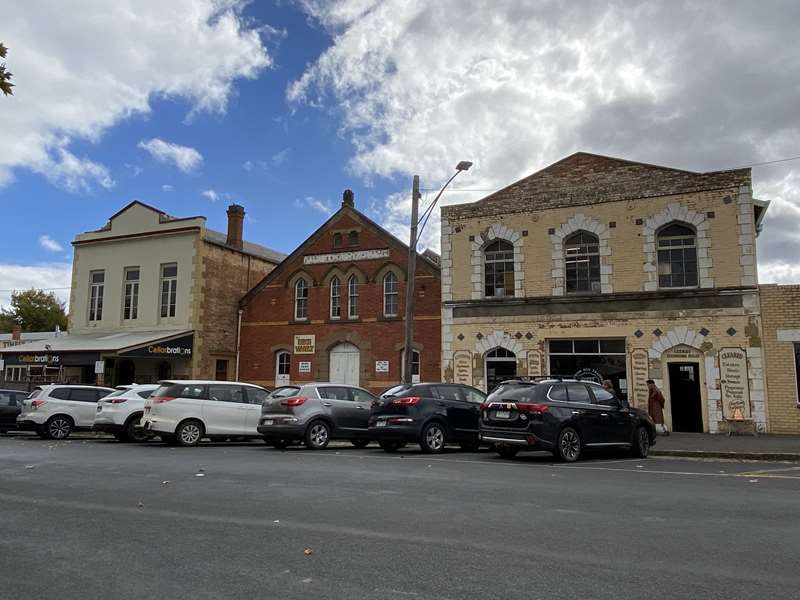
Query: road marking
[[774, 473]]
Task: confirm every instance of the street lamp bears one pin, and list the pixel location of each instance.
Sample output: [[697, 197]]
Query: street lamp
[[408, 351]]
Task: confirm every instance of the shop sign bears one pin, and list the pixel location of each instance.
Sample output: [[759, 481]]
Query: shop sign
[[381, 366], [304, 366], [339, 257], [683, 352], [639, 371], [462, 367], [304, 344], [177, 347], [36, 359], [734, 386], [99, 367]]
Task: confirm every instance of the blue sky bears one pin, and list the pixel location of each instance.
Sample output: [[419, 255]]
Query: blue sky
[[279, 105]]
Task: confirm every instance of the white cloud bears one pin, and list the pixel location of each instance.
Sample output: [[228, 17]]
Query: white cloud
[[55, 277], [210, 194], [80, 70], [280, 157], [314, 204], [167, 187], [186, 158], [49, 244], [515, 85]]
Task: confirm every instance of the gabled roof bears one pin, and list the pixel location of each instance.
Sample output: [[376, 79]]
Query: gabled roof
[[162, 215], [359, 216], [583, 178], [221, 239]]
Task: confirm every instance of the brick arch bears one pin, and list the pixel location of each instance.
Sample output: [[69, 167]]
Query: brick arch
[[499, 339], [580, 222], [678, 336], [676, 212], [300, 273], [497, 231]]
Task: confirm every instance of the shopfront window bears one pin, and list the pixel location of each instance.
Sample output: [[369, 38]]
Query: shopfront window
[[96, 291], [131, 304], [590, 359], [169, 290]]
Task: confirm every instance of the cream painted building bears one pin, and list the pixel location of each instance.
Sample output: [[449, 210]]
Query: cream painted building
[[153, 296], [617, 270]]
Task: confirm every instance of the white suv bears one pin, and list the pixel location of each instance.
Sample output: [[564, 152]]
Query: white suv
[[55, 411], [119, 412], [184, 412]]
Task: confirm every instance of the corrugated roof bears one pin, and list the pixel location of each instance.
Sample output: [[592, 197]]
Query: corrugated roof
[[221, 239], [96, 342]]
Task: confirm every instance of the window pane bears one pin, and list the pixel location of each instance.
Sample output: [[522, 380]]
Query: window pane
[[362, 396], [612, 346], [578, 393], [558, 393], [334, 393], [586, 346], [561, 346], [60, 393], [221, 393], [450, 392], [83, 395], [603, 396]]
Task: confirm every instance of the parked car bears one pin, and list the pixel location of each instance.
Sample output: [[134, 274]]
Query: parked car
[[563, 416], [10, 407], [120, 411], [430, 414], [316, 413], [184, 412], [54, 411]]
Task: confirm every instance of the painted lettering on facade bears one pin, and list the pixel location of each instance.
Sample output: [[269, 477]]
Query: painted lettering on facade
[[638, 377], [734, 386], [304, 344], [342, 257], [462, 367]]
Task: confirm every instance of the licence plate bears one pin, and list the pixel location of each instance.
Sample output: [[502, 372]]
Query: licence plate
[[380, 423], [267, 421], [502, 414]]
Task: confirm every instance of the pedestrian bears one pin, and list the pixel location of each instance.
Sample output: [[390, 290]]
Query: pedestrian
[[655, 406], [608, 386]]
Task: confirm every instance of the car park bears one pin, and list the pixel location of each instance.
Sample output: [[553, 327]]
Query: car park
[[316, 413], [185, 412], [54, 411], [565, 417], [429, 414], [10, 407], [120, 411]]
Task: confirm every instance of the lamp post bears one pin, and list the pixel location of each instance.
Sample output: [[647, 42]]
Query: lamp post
[[416, 232]]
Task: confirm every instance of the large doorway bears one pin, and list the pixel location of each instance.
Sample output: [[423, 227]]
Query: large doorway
[[684, 396], [501, 364], [126, 372], [344, 364]]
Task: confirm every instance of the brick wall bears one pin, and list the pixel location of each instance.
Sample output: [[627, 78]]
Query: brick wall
[[780, 311]]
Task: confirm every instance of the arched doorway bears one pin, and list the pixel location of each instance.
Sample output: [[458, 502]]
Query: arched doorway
[[282, 368], [344, 364], [500, 364]]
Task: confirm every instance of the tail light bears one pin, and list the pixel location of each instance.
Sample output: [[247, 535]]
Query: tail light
[[161, 399], [484, 406], [536, 409], [409, 401], [36, 404], [296, 401], [116, 400]]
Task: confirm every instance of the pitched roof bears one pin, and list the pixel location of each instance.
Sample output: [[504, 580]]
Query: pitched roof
[[220, 239], [583, 178]]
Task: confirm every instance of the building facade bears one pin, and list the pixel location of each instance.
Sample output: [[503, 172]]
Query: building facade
[[153, 296], [612, 269], [333, 310]]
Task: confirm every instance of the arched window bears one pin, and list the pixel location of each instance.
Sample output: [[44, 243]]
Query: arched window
[[582, 263], [301, 299], [352, 238], [337, 240], [499, 269], [352, 297], [677, 256], [336, 298], [283, 363], [390, 303]]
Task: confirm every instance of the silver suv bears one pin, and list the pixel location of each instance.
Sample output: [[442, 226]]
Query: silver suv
[[316, 413]]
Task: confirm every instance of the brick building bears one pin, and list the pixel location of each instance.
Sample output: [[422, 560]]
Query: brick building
[[333, 310], [616, 270], [153, 296]]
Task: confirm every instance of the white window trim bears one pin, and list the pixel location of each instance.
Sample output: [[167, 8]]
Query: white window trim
[[350, 297], [338, 296], [580, 222], [297, 299], [134, 297], [491, 234], [173, 288], [396, 294]]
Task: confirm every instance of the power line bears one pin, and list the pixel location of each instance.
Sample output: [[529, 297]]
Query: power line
[[769, 162]]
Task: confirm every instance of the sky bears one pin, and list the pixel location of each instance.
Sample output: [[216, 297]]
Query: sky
[[279, 105]]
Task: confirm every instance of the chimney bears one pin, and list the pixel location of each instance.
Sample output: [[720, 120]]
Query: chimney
[[235, 225], [348, 199], [16, 333]]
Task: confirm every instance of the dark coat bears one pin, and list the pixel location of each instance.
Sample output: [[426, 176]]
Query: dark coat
[[655, 406]]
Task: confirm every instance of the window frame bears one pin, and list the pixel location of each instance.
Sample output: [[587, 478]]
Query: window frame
[[352, 297], [494, 260], [670, 249], [130, 294], [278, 363], [96, 294], [301, 301], [170, 309], [335, 299], [391, 295], [416, 361], [591, 274]]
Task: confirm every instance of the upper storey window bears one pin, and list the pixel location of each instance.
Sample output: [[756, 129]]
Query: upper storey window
[[352, 238], [677, 256], [499, 269], [390, 295], [582, 262], [301, 299]]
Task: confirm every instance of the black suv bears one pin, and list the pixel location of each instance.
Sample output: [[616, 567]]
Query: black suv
[[564, 416], [430, 414]]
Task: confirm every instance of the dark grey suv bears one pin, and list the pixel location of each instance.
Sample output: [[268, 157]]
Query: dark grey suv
[[316, 413]]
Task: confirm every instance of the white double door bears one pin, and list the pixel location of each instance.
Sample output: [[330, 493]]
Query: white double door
[[344, 364]]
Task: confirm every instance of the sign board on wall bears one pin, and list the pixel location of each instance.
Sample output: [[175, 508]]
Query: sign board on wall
[[304, 366], [174, 348], [462, 367], [304, 344], [338, 257], [381, 366], [99, 367], [638, 377], [733, 383]]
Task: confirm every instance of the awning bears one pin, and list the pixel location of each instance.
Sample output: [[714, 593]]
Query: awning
[[68, 349]]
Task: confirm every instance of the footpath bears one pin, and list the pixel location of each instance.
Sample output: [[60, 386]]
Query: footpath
[[741, 447]]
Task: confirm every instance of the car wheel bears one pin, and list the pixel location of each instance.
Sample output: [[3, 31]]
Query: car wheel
[[506, 451], [641, 442], [136, 435], [568, 445], [432, 440], [390, 445], [121, 437], [470, 446], [58, 427], [189, 433], [318, 435], [360, 443]]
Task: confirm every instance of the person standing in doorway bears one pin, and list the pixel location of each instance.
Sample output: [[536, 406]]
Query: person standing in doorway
[[608, 386], [655, 406]]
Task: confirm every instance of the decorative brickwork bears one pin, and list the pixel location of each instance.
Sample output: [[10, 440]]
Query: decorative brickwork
[[580, 222], [490, 234]]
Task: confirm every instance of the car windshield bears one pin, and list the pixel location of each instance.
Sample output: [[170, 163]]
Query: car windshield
[[516, 393], [397, 390], [285, 392]]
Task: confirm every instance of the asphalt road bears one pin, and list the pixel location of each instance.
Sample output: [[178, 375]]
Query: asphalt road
[[98, 519]]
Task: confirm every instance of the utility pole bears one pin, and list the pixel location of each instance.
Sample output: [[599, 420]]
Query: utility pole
[[411, 270]]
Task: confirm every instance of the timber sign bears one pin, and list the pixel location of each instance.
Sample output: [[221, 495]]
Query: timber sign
[[733, 383], [341, 257]]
